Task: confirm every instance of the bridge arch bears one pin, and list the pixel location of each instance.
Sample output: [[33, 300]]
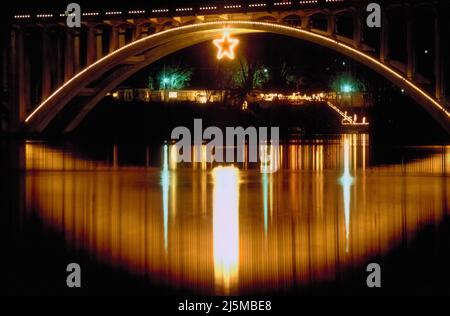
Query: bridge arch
[[146, 28], [83, 91], [319, 21], [345, 23], [292, 20], [267, 18], [167, 25]]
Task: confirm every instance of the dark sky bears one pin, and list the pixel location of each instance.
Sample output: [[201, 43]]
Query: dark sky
[[316, 64]]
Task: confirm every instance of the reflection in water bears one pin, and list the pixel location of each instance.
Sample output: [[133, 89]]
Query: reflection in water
[[346, 181], [265, 184], [269, 164], [226, 226], [269, 158], [233, 229], [165, 181]]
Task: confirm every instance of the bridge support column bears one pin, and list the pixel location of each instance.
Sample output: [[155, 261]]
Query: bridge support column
[[121, 37], [18, 103], [357, 28], [438, 62], [305, 22], [60, 58], [410, 51], [91, 46], [98, 43], [69, 55], [46, 62], [137, 32], [384, 40], [114, 39], [76, 52], [331, 25]]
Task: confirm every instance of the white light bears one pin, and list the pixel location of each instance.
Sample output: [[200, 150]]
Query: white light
[[160, 10], [208, 8], [234, 6], [253, 5]]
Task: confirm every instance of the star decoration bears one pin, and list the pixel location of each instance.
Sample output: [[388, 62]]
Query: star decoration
[[226, 46]]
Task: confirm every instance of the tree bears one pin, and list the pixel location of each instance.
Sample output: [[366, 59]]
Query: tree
[[172, 77], [241, 77], [296, 81], [250, 75]]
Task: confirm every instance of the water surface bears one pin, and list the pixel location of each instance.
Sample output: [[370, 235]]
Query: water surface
[[331, 208]]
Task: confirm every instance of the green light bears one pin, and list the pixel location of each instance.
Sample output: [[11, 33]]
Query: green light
[[346, 88]]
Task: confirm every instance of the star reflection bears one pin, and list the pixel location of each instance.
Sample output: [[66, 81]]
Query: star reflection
[[226, 227]]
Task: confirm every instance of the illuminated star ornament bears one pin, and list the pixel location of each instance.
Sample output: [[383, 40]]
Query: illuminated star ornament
[[226, 46]]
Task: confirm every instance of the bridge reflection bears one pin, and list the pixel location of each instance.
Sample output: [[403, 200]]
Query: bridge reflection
[[232, 229]]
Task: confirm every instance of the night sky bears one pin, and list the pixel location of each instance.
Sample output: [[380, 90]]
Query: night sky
[[316, 64]]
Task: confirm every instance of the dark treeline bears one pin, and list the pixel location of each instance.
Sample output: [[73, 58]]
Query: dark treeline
[[154, 122]]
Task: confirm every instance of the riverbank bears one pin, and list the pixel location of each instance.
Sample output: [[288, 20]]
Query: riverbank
[[154, 122]]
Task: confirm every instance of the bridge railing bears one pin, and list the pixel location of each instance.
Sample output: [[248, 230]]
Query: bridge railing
[[150, 11]]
